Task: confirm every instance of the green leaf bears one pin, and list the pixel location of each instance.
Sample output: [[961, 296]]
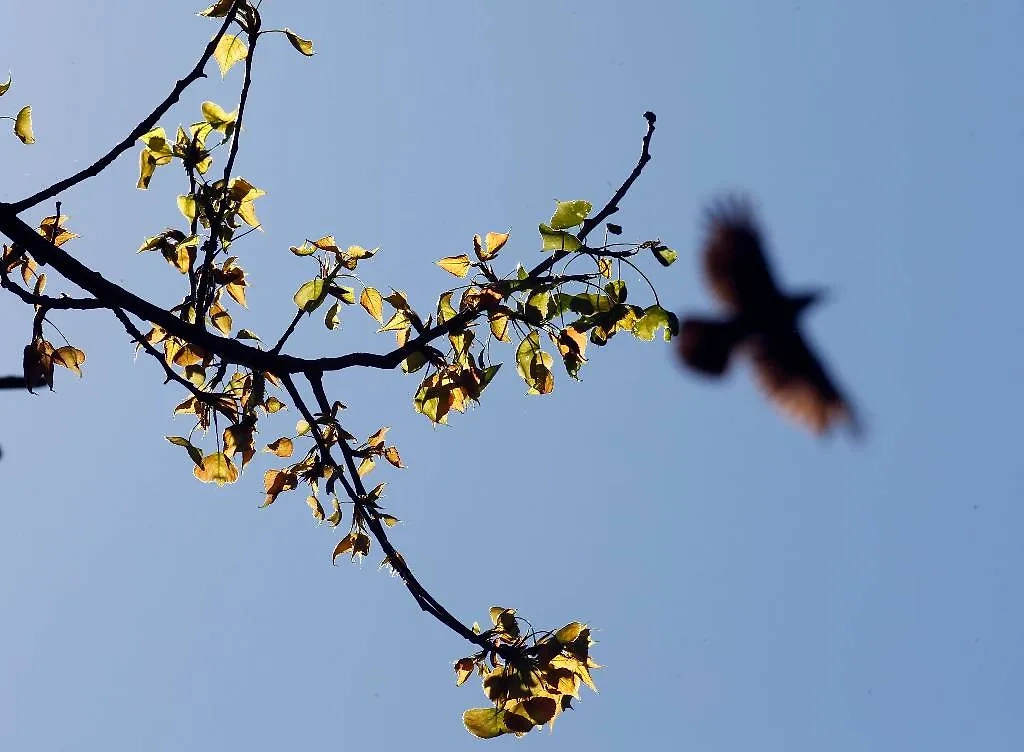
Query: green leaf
[[485, 723], [187, 206], [247, 334], [445, 309], [230, 50], [333, 320], [654, 318], [569, 632], [616, 291], [537, 306], [193, 451], [558, 240], [570, 213], [311, 295], [6, 86], [304, 46], [23, 125], [666, 256], [306, 249]]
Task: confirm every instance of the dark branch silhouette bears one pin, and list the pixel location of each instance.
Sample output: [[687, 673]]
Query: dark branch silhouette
[[763, 321]]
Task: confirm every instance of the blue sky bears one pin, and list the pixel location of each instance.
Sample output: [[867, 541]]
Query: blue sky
[[750, 587]]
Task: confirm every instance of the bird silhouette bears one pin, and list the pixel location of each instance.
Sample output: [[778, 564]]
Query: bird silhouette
[[762, 322]]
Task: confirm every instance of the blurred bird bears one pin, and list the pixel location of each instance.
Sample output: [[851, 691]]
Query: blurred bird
[[762, 321]]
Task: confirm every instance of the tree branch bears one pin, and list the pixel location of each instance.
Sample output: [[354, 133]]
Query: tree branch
[[144, 127], [113, 295]]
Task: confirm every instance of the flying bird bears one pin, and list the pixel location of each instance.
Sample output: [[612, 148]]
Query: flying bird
[[762, 322]]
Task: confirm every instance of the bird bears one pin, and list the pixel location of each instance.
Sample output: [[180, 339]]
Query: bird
[[762, 322]]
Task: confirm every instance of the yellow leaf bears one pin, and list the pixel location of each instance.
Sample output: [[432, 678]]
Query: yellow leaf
[[187, 206], [218, 118], [335, 519], [388, 520], [345, 544], [217, 468], [247, 211], [147, 166], [372, 303], [457, 265], [238, 439], [485, 723], [156, 141], [377, 439], [365, 466], [398, 322], [463, 670], [358, 252], [218, 10], [276, 482], [273, 405], [69, 357], [230, 50], [6, 86], [309, 297], [314, 505], [333, 318], [219, 317], [304, 46], [495, 242], [499, 326], [23, 125], [282, 447], [392, 456]]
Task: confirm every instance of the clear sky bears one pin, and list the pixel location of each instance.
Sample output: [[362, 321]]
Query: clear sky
[[751, 589]]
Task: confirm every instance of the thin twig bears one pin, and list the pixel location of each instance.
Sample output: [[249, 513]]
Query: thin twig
[[144, 127]]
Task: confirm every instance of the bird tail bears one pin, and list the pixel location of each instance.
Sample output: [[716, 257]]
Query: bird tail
[[706, 344]]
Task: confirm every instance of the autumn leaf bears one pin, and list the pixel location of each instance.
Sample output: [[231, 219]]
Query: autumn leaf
[[69, 357], [494, 242], [333, 318], [23, 125], [372, 303], [216, 468], [282, 447], [304, 46], [230, 50], [457, 265], [392, 456], [314, 505]]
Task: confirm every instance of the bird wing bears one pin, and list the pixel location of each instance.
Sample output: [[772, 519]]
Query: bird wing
[[734, 261], [795, 380], [707, 344]]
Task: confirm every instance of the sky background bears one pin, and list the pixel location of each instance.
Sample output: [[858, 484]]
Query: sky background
[[751, 588]]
